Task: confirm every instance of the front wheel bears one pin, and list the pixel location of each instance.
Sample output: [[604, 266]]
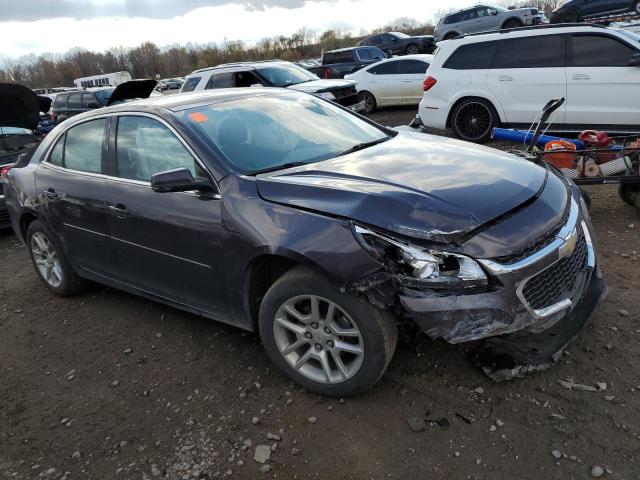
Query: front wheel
[[473, 120], [513, 23], [629, 193], [412, 49], [369, 100], [330, 342]]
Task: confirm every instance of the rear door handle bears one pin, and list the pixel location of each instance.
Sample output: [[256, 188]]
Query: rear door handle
[[581, 76], [505, 78], [119, 210], [407, 81], [51, 193]]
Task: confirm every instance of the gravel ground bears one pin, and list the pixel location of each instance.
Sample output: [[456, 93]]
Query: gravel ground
[[108, 385]]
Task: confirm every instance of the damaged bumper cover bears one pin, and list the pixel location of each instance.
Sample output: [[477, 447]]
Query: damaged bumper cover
[[530, 295]]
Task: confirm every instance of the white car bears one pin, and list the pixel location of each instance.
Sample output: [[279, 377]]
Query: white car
[[393, 81], [478, 82]]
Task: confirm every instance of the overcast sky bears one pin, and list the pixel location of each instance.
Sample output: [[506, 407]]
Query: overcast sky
[[38, 26]]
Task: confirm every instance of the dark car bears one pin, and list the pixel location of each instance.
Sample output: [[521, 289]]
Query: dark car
[[20, 120], [578, 10], [283, 213], [341, 62], [69, 104], [398, 43]]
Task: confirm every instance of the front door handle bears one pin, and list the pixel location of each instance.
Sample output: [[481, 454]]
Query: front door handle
[[51, 193], [581, 76], [505, 78], [119, 210]]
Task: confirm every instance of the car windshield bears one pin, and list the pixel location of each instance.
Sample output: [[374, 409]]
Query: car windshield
[[400, 35], [285, 75], [104, 95], [268, 132]]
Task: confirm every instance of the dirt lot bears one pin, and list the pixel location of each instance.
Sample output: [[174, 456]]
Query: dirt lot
[[108, 385]]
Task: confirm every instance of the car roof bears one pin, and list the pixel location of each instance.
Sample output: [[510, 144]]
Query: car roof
[[239, 64], [416, 56], [547, 29]]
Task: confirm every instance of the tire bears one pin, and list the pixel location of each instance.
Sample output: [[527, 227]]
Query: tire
[[473, 119], [413, 49], [46, 255], [629, 193], [636, 7], [450, 35], [513, 23], [370, 102], [364, 328]]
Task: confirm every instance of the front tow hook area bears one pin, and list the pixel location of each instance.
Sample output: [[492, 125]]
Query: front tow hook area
[[516, 354]]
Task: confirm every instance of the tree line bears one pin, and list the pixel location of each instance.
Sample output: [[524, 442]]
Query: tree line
[[148, 60]]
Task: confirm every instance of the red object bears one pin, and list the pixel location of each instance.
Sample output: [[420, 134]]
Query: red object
[[326, 73], [598, 141], [565, 156], [5, 170], [428, 83]]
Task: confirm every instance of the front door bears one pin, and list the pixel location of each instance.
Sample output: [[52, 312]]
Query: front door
[[602, 89], [169, 244], [71, 185], [526, 73]]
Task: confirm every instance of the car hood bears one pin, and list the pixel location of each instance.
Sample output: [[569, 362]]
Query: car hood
[[131, 90], [317, 86], [19, 106], [417, 185]]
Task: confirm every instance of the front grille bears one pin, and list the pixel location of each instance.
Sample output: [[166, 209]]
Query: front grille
[[558, 281]]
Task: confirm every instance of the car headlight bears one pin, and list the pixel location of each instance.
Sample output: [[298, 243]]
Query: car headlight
[[418, 266], [327, 96]]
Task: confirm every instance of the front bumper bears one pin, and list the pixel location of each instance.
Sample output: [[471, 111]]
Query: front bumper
[[528, 294]]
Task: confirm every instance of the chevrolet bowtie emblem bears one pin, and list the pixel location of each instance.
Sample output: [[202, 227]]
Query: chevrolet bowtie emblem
[[570, 243]]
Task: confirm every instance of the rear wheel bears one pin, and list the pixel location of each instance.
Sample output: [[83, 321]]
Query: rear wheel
[[513, 23], [629, 193], [330, 342], [52, 266], [413, 49], [473, 120], [369, 100]]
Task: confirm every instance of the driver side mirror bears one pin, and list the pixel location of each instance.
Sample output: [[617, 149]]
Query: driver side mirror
[[635, 60], [178, 180]]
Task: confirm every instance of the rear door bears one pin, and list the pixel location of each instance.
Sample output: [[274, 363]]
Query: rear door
[[71, 184], [525, 73], [169, 244], [411, 73], [602, 88]]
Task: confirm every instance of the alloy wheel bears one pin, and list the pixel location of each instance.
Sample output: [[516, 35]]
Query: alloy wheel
[[412, 50], [318, 339], [473, 121], [637, 9], [369, 102], [46, 259]]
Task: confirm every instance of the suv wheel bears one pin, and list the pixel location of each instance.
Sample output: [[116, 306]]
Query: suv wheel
[[513, 23], [51, 265], [473, 120], [370, 103], [330, 342], [629, 193], [412, 49]]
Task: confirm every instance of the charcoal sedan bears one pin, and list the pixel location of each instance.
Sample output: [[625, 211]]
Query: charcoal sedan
[[283, 213]]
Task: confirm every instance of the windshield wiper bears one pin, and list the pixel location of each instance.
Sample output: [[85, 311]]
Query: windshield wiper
[[362, 146], [278, 167]]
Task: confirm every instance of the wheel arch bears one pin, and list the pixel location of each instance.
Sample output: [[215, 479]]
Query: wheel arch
[[26, 218], [517, 19], [486, 98]]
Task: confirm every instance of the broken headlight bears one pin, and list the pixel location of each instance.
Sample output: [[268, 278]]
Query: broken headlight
[[416, 265]]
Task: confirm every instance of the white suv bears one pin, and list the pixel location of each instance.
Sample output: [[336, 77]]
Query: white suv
[[478, 82]]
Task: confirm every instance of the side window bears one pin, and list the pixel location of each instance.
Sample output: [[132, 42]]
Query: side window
[[74, 101], [376, 54], [89, 100], [60, 101], [363, 54], [83, 146], [145, 147], [474, 56], [56, 155], [375, 40], [411, 67], [245, 79], [386, 68], [344, 57], [482, 12], [190, 84], [530, 52], [599, 51], [454, 18], [329, 58], [222, 80]]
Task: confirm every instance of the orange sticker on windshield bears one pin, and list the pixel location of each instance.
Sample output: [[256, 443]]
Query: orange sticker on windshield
[[198, 117]]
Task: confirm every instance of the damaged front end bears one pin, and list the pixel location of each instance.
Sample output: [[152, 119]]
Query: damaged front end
[[545, 292]]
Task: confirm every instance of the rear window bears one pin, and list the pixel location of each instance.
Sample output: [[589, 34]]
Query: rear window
[[474, 56], [530, 52], [190, 84], [60, 101]]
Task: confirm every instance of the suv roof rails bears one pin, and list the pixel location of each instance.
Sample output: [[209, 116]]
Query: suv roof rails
[[549, 26], [237, 64]]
